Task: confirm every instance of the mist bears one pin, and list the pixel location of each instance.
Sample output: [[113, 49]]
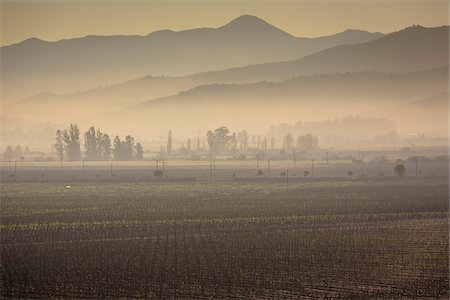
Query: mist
[[239, 161]]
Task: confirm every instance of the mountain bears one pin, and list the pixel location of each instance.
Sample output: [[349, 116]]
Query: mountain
[[409, 50], [412, 49], [302, 98], [65, 66], [429, 115]]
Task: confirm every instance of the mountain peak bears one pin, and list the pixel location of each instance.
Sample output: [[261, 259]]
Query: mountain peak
[[251, 24], [245, 20]]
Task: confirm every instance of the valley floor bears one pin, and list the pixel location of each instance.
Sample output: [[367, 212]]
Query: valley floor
[[373, 237]]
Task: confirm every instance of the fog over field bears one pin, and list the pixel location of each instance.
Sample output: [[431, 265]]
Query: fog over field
[[250, 86], [240, 149]]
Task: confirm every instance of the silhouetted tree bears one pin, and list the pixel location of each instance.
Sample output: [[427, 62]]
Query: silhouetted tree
[[71, 139], [272, 143], [123, 150], [219, 140], [139, 152], [210, 140], [98, 141], [106, 147], [169, 143], [242, 137], [18, 152], [189, 145], [8, 153], [129, 140], [117, 148], [59, 145], [288, 141], [399, 170], [90, 144], [233, 142], [307, 141]]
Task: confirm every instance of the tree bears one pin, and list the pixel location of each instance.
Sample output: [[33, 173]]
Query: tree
[[71, 139], [18, 152], [307, 141], [233, 141], [210, 140], [59, 145], [105, 147], [90, 144], [272, 143], [129, 143], [8, 153], [189, 145], [288, 141], [123, 150], [98, 142], [399, 170], [139, 152], [169, 143], [219, 140], [242, 138], [116, 149]]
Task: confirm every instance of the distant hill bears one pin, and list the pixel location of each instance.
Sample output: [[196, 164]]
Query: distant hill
[[429, 115], [35, 66], [412, 49], [317, 96], [302, 98], [409, 50], [383, 88]]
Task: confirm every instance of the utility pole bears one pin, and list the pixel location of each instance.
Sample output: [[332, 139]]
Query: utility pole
[[268, 167], [60, 164], [312, 167], [214, 163], [327, 157], [417, 159], [287, 177]]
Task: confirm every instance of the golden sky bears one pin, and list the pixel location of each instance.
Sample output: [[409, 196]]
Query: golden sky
[[53, 20]]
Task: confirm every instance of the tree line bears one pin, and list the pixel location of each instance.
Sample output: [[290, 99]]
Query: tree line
[[15, 153], [98, 145]]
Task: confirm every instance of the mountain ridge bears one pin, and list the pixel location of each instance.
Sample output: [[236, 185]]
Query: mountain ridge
[[68, 65], [150, 87]]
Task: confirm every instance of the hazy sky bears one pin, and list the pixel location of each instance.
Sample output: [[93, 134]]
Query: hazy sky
[[54, 20]]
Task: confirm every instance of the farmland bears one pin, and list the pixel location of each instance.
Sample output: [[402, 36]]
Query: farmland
[[94, 233]]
